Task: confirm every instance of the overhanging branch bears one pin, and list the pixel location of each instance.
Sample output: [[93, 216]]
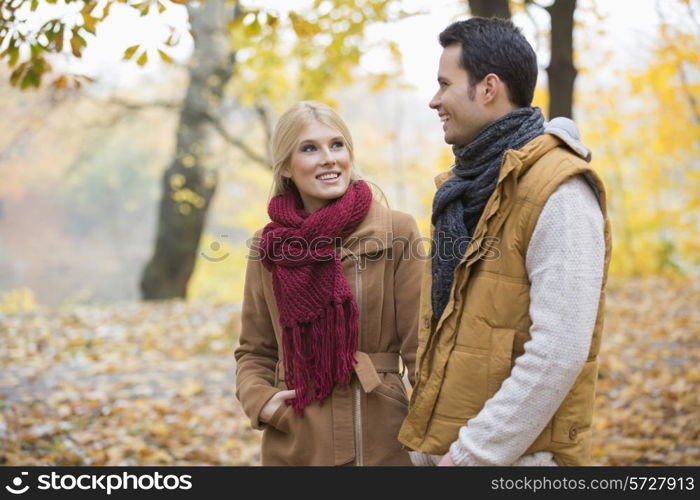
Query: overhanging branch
[[215, 122]]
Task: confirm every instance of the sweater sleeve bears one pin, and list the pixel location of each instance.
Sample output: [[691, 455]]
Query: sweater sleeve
[[564, 261]]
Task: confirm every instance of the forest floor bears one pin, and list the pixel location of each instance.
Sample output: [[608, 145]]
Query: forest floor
[[154, 384]]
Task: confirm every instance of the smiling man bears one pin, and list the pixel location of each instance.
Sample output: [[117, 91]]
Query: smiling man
[[512, 301]]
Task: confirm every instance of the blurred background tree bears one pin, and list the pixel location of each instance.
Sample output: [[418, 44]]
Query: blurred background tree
[[328, 40], [248, 61]]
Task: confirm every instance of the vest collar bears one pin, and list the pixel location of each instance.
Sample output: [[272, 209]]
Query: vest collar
[[515, 163], [559, 132]]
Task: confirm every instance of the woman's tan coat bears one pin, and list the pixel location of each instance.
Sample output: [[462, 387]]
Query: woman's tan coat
[[358, 424]]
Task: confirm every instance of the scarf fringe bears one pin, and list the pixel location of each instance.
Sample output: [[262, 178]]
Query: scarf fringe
[[321, 354]]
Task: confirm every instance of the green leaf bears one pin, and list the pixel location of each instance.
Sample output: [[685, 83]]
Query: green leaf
[[31, 79], [60, 83], [142, 7], [36, 50], [237, 21], [59, 39], [143, 59], [272, 20], [254, 28], [89, 23], [129, 53], [77, 43], [17, 75], [173, 39], [13, 52], [302, 27], [165, 57]]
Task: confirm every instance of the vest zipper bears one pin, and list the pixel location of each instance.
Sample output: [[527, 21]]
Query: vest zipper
[[357, 394]]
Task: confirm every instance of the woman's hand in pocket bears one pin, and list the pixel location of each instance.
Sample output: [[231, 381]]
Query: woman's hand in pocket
[[274, 403]]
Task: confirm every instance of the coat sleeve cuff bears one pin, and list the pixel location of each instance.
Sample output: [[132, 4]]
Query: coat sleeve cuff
[[263, 396]]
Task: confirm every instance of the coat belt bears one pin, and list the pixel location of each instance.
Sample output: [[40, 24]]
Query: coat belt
[[368, 367]]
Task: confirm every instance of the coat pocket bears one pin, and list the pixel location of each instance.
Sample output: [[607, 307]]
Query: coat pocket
[[392, 388], [279, 419], [474, 374], [464, 387]]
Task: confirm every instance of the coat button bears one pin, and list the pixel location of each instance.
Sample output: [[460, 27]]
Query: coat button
[[426, 322], [573, 433]]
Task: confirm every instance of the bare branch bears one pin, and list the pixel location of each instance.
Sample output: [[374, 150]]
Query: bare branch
[[691, 14], [213, 120], [266, 122], [228, 137], [694, 108], [138, 106]]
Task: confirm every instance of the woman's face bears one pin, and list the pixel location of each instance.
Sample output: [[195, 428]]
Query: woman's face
[[319, 166]]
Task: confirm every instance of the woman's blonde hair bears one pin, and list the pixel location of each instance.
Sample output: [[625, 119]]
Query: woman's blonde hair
[[286, 135]]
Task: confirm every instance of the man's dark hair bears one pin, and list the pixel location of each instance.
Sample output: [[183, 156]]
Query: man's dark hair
[[495, 46]]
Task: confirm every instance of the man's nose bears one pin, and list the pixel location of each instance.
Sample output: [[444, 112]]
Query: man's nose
[[434, 102]]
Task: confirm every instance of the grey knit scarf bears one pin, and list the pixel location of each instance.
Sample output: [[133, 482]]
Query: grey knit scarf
[[459, 202]]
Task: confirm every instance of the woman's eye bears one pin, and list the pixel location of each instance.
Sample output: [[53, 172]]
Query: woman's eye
[[338, 145], [308, 148]]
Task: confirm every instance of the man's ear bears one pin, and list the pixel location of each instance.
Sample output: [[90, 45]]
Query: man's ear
[[491, 87]]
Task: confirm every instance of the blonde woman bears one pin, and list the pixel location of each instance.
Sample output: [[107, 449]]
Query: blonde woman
[[330, 307]]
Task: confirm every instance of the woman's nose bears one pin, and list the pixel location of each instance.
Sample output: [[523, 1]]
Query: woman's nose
[[328, 158]]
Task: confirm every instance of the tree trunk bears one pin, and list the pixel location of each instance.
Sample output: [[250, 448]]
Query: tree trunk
[[561, 71], [490, 8], [188, 184]]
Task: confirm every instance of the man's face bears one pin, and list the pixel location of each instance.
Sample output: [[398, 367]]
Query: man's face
[[461, 111]]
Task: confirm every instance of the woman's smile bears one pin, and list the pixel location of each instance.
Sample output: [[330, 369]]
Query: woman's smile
[[320, 165]]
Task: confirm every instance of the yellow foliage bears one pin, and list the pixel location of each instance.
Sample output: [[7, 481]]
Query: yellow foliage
[[321, 55], [645, 138], [17, 300]]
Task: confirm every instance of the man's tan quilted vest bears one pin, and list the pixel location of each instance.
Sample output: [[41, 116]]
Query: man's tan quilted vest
[[465, 356]]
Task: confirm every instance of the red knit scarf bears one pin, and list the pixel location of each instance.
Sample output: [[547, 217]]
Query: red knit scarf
[[317, 309]]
